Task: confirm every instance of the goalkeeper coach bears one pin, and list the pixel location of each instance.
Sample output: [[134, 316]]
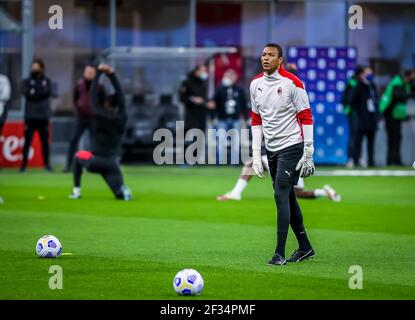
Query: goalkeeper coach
[[281, 113]]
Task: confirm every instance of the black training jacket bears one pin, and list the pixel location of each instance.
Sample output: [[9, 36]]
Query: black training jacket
[[108, 126], [37, 92]]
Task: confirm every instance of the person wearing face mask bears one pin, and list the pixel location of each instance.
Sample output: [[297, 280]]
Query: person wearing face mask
[[83, 105], [351, 116], [37, 93], [193, 94], [363, 101], [231, 104]]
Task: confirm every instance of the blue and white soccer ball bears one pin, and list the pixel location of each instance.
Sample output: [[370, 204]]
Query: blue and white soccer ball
[[188, 282], [48, 247]]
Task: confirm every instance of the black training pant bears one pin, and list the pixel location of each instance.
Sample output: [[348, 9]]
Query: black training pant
[[282, 165], [352, 119], [80, 127], [393, 130], [370, 139], [42, 127], [107, 167]]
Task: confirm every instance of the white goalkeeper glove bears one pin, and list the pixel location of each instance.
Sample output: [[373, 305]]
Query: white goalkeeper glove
[[306, 163], [257, 163]]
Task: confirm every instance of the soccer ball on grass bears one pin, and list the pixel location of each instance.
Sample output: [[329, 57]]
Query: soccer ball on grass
[[188, 282], [48, 247]]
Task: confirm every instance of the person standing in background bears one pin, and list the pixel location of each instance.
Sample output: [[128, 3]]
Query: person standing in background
[[83, 106], [5, 94], [351, 115], [363, 103], [393, 107], [230, 103], [37, 92], [193, 94]]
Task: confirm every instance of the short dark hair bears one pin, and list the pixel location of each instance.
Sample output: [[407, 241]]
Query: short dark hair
[[90, 65], [358, 71], [408, 72], [39, 62], [277, 46]]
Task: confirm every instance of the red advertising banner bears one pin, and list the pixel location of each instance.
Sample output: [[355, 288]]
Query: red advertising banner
[[11, 146]]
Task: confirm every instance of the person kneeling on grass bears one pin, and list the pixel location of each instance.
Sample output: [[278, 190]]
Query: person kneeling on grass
[[247, 173], [108, 126]]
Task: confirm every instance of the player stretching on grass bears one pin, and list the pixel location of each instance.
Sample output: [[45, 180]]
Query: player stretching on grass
[[281, 112], [246, 175], [108, 125]]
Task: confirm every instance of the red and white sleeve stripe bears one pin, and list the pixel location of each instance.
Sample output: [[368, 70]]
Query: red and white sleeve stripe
[[256, 119], [305, 117]]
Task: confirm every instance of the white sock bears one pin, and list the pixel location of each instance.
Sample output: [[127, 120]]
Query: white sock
[[320, 193], [76, 190], [239, 187]]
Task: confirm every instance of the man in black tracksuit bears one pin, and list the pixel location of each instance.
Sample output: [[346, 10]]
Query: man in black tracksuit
[[193, 94], [363, 102], [108, 126], [37, 92]]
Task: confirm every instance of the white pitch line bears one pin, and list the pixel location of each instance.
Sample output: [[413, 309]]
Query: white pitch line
[[366, 173]]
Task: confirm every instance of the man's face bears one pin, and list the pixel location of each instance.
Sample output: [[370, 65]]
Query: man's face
[[231, 76], [89, 73], [36, 67], [201, 72], [368, 71], [270, 59]]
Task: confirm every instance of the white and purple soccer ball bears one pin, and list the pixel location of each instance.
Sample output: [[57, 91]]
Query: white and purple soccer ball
[[48, 247], [188, 282]]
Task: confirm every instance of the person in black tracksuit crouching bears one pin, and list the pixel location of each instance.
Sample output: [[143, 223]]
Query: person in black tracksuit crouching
[[108, 126]]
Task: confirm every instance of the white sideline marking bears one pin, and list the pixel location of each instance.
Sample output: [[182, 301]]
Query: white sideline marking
[[366, 173]]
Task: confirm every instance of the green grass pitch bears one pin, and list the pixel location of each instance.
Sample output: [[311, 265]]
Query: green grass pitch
[[132, 250]]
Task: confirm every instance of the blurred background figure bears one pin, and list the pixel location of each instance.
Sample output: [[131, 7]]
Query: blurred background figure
[[363, 102], [247, 173], [231, 104], [351, 115], [5, 93], [83, 106], [110, 119], [193, 94], [393, 106], [37, 93], [291, 67]]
